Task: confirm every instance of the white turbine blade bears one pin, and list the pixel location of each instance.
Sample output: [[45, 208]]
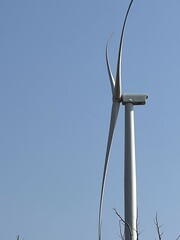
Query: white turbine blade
[[112, 81], [114, 114], [118, 87]]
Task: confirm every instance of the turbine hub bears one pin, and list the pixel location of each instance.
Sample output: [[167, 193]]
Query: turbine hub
[[117, 99]]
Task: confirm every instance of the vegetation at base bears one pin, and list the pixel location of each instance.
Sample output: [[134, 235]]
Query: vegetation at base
[[124, 223]]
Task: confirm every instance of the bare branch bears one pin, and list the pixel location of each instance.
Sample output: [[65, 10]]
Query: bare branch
[[137, 225], [122, 220], [127, 224], [120, 231], [158, 228]]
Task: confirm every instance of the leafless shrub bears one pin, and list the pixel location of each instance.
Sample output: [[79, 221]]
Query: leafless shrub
[[122, 221], [158, 228]]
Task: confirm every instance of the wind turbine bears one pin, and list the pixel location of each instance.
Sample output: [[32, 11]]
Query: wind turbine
[[128, 100]]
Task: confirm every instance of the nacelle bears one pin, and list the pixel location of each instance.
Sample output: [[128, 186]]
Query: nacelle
[[135, 99]]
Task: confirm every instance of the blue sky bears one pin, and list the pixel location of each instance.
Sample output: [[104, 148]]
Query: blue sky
[[55, 102]]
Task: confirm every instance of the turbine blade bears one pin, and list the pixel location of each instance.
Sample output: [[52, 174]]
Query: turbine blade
[[112, 81], [118, 85], [114, 114]]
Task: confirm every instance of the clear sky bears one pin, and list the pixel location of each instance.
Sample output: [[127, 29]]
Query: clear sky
[[55, 102]]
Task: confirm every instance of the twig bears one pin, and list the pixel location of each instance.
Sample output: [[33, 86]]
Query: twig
[[158, 228], [120, 231], [137, 225], [122, 220]]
